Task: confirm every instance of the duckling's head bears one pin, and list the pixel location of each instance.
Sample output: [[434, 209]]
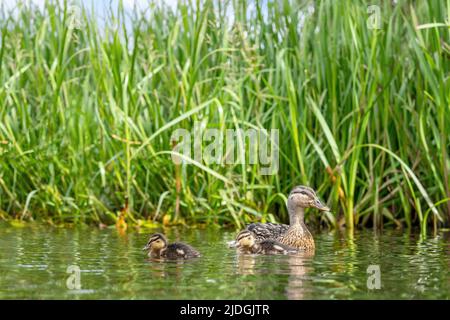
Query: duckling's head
[[305, 197], [245, 239], [156, 242]]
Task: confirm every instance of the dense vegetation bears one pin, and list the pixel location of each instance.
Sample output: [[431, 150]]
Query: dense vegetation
[[87, 110]]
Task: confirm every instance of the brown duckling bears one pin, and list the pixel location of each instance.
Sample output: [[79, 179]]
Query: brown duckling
[[296, 234], [247, 243], [159, 247]]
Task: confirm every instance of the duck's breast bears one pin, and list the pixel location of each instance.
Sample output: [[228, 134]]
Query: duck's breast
[[298, 239]]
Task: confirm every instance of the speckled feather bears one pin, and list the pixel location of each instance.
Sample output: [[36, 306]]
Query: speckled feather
[[296, 237], [264, 231]]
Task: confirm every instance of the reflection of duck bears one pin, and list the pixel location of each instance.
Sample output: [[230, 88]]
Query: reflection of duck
[[298, 271], [159, 247], [247, 243], [296, 234]]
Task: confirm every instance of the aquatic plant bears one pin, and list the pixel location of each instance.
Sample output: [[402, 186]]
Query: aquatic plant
[[361, 99]]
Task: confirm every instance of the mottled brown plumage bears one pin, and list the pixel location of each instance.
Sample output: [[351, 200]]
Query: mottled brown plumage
[[267, 230], [248, 244], [296, 234]]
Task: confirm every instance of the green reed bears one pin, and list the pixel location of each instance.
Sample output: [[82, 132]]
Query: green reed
[[87, 112]]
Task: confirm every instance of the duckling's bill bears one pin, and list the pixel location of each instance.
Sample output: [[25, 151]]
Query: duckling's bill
[[233, 244]]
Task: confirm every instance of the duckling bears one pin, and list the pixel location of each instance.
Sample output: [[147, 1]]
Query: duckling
[[247, 243], [296, 234], [159, 247]]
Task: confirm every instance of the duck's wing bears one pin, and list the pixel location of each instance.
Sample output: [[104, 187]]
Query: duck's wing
[[264, 231]]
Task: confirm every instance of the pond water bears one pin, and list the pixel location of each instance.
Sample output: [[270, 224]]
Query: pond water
[[34, 262]]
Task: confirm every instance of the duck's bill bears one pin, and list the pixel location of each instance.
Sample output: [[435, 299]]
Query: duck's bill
[[146, 247], [319, 205]]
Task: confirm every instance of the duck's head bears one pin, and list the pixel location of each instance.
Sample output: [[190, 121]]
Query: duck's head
[[156, 242], [305, 197], [245, 239]]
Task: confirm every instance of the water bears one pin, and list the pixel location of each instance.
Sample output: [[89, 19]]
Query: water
[[34, 261]]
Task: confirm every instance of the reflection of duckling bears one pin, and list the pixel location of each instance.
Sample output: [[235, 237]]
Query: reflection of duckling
[[159, 247], [247, 243], [246, 264]]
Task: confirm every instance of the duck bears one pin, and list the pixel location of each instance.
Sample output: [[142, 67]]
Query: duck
[[296, 234], [247, 244], [158, 247]]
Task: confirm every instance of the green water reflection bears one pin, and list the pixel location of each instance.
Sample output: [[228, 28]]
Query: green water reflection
[[34, 262]]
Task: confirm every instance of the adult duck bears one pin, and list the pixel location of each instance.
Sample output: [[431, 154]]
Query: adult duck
[[296, 234]]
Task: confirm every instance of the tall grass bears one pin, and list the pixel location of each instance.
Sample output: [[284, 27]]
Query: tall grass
[[87, 113]]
